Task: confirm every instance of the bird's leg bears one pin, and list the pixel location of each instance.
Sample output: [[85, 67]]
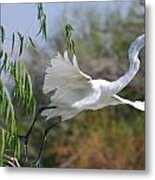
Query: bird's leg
[[25, 138], [55, 122]]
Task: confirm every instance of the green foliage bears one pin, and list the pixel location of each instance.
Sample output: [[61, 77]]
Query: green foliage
[[9, 139], [1, 53], [5, 63], [40, 10], [13, 42], [69, 40], [21, 43], [23, 86], [23, 93], [2, 34], [31, 41], [42, 20]]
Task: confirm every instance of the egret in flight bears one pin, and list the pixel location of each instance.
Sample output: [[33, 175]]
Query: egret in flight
[[76, 91]]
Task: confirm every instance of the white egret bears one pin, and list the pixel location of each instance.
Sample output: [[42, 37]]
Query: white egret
[[75, 91]]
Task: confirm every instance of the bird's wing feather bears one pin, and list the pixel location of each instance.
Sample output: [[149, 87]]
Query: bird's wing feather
[[116, 100], [70, 83], [62, 72]]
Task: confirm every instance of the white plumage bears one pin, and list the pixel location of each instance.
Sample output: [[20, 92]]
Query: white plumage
[[75, 91]]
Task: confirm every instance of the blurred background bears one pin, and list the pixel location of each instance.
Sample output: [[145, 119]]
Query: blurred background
[[110, 138]]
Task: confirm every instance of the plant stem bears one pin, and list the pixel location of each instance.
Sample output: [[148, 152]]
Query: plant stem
[[2, 147]]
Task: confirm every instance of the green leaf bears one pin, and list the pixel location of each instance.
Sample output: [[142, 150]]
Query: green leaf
[[5, 61], [13, 42], [39, 31], [1, 53], [44, 26], [3, 125], [2, 145], [21, 39], [40, 11], [31, 41], [2, 35], [42, 20], [69, 41], [73, 46]]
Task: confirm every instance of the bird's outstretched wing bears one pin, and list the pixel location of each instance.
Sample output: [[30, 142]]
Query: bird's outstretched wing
[[69, 83]]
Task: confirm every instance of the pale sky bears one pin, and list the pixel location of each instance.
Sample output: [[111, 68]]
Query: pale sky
[[22, 17]]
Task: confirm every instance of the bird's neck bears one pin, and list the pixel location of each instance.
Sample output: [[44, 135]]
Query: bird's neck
[[133, 53], [117, 85]]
